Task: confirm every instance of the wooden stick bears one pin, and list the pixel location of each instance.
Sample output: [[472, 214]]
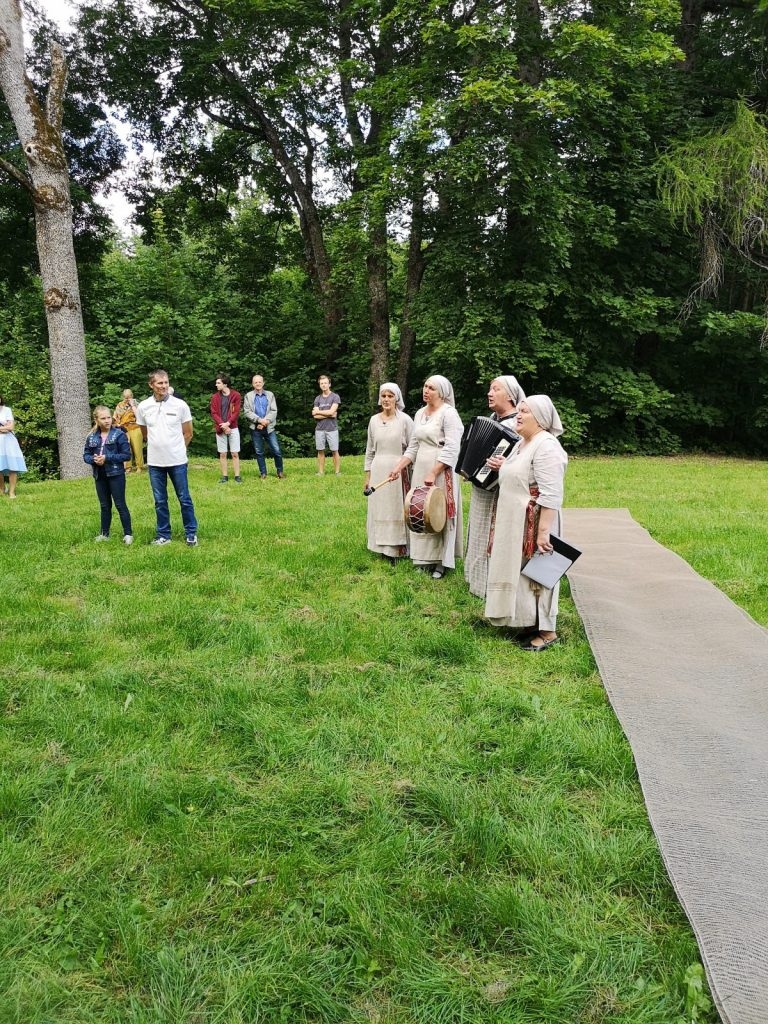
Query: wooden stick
[[368, 491]]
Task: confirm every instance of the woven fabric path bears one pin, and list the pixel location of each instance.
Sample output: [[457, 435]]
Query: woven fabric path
[[686, 671]]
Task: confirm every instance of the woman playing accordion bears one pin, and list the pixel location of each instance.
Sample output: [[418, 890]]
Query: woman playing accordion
[[504, 395]]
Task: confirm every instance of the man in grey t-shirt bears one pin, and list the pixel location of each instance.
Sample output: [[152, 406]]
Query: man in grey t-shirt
[[326, 425]]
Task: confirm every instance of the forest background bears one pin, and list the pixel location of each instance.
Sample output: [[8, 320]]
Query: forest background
[[383, 190]]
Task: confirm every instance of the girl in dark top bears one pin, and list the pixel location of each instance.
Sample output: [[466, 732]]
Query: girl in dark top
[[107, 449]]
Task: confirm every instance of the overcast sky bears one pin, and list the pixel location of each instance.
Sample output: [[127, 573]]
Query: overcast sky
[[60, 11]]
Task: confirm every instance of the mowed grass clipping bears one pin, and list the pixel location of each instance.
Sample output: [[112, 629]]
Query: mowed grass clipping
[[274, 778]]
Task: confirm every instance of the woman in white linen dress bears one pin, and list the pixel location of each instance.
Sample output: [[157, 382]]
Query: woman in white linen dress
[[11, 458], [530, 498], [389, 434], [504, 395], [433, 452]]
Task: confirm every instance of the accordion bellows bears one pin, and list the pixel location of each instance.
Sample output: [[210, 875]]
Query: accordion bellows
[[484, 437]]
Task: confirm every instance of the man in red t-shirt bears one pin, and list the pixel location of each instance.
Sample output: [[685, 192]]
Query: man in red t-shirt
[[225, 412]]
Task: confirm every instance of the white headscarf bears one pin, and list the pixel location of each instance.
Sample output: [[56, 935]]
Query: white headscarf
[[444, 388], [545, 413], [513, 389], [389, 386]]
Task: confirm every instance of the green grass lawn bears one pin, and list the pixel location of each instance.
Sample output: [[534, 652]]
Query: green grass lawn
[[275, 779]]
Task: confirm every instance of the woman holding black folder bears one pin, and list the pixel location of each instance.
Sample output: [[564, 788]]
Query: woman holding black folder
[[528, 512]]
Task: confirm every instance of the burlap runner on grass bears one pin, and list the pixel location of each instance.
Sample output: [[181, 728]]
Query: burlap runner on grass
[[686, 671]]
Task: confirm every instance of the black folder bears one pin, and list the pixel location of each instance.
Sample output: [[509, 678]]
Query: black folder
[[548, 569]]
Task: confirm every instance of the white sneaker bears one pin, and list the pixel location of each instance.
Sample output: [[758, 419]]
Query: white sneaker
[[102, 536], [160, 541], [128, 538]]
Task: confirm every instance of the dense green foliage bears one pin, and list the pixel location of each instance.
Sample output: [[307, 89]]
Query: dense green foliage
[[389, 189], [273, 778]]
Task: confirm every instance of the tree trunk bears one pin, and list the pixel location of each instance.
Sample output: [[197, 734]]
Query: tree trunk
[[311, 226], [414, 274], [47, 181], [528, 43], [300, 189], [368, 147], [690, 23], [378, 299]]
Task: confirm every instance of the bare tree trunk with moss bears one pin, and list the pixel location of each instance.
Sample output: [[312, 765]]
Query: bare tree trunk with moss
[[46, 179]]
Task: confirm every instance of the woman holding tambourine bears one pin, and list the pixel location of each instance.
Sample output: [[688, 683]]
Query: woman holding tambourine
[[528, 512], [433, 451]]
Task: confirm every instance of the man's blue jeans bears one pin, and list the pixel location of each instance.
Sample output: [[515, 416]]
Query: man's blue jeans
[[158, 478], [259, 437]]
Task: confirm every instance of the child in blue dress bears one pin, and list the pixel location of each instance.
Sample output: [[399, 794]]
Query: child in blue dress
[[11, 459], [107, 449]]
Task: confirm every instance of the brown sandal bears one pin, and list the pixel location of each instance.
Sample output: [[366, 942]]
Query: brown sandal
[[531, 646]]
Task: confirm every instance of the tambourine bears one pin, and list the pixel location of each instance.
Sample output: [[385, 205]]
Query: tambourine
[[425, 510]]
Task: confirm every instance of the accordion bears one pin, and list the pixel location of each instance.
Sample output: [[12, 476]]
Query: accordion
[[484, 437]]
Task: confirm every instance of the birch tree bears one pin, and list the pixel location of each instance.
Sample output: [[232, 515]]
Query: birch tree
[[42, 172]]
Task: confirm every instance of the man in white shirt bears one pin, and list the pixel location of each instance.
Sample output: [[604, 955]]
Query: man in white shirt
[[166, 423]]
